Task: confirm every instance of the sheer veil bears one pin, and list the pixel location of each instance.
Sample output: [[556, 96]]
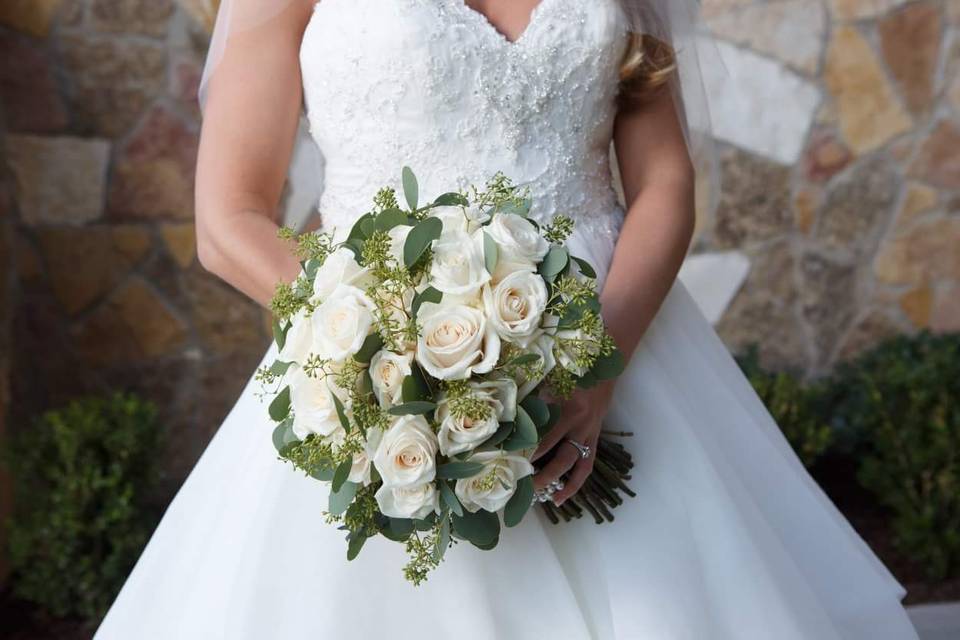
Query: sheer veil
[[675, 22]]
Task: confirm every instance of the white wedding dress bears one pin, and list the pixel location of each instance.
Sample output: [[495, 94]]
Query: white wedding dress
[[728, 537]]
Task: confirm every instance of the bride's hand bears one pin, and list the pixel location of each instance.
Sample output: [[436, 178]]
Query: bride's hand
[[581, 421]]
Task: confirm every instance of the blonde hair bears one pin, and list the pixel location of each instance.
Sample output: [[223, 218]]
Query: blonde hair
[[647, 66]]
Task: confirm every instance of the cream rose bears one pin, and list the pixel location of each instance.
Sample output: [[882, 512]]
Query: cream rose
[[406, 454], [340, 267], [458, 266], [459, 434], [456, 218], [521, 247], [493, 487], [515, 306], [363, 460], [299, 341], [342, 322], [314, 410], [543, 347], [456, 341], [417, 501], [387, 371]]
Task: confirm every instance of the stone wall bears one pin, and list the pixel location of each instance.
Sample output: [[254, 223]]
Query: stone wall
[[840, 130], [102, 127], [839, 125]]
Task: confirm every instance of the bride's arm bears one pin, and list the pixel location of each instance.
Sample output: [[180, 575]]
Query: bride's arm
[[250, 119], [658, 184]]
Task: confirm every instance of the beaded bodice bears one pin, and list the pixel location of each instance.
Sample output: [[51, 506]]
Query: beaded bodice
[[434, 85]]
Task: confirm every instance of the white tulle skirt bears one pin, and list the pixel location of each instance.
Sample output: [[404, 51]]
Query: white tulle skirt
[[728, 537]]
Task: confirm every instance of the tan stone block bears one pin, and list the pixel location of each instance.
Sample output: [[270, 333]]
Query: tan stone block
[[27, 260], [204, 12], [917, 305], [859, 9], [825, 156], [946, 310], [938, 160], [919, 199], [85, 264], [181, 242], [30, 16], [927, 252], [910, 42], [858, 207], [953, 94], [869, 113], [225, 319], [804, 209], [58, 179], [134, 324], [868, 331]]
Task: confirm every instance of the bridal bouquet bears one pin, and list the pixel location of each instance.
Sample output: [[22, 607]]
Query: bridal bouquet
[[412, 358]]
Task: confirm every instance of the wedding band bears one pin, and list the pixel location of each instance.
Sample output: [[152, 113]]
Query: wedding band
[[582, 449]]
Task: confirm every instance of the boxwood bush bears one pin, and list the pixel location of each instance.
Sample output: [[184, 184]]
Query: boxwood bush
[[82, 476], [901, 403]]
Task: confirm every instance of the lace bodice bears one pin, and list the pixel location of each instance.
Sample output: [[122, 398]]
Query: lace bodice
[[434, 85]]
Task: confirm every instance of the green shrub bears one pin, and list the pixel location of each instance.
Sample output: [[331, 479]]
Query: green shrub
[[81, 475], [801, 410], [902, 402]]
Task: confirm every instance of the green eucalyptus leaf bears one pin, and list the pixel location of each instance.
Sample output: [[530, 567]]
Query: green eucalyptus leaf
[[491, 253], [481, 528], [280, 332], [503, 432], [357, 231], [414, 387], [525, 433], [368, 226], [609, 367], [355, 545], [425, 524], [519, 502], [587, 380], [279, 367], [457, 470], [341, 412], [411, 190], [340, 500], [390, 218], [371, 345], [443, 540], [280, 406], [537, 410], [398, 529], [427, 295], [585, 267], [412, 408], [419, 239], [283, 437], [341, 474], [451, 199], [449, 498], [554, 262], [555, 413], [525, 359]]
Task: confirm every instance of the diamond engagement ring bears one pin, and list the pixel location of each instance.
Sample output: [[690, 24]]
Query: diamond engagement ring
[[582, 449]]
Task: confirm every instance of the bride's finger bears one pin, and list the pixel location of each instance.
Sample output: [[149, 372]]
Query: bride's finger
[[562, 461], [575, 480], [553, 437]]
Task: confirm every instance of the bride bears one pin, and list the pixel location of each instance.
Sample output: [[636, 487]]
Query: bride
[[728, 537]]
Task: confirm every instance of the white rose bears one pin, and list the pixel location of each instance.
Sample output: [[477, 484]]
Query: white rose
[[387, 371], [458, 434], [398, 238], [363, 460], [493, 487], [415, 502], [314, 410], [342, 322], [456, 341], [458, 266], [340, 267], [406, 454], [515, 306], [456, 218], [521, 247], [565, 355], [543, 347], [299, 341]]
